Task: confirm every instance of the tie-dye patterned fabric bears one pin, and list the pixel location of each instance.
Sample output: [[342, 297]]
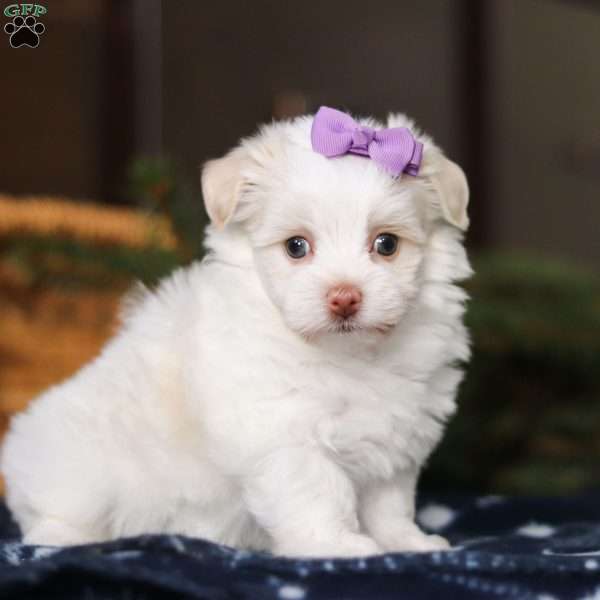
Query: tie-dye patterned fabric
[[540, 549]]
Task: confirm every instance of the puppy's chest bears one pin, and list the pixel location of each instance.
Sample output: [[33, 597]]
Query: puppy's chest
[[372, 424]]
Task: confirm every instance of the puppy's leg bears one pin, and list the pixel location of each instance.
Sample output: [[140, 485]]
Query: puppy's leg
[[307, 504], [387, 512]]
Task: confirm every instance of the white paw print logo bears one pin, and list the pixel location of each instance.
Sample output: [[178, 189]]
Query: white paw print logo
[[24, 31]]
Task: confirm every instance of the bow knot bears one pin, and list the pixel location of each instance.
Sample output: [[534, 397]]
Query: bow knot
[[395, 150], [362, 136]]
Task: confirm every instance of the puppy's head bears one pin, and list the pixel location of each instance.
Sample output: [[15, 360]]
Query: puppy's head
[[337, 242]]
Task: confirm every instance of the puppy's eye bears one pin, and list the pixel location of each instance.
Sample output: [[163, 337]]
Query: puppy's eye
[[386, 244], [297, 247]]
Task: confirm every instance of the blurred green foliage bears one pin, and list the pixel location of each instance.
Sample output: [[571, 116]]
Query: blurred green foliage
[[157, 185], [45, 261], [529, 408]]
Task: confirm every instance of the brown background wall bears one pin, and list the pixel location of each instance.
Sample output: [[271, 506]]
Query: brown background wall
[[51, 117], [544, 113], [225, 77], [510, 88]]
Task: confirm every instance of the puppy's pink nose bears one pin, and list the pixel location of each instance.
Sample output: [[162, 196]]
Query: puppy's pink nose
[[344, 300]]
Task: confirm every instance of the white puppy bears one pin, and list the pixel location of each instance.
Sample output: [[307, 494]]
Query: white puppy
[[283, 393]]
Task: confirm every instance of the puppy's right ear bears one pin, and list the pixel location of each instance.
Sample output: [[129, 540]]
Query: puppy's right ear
[[221, 186]]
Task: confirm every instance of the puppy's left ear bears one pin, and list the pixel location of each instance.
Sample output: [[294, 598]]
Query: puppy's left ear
[[222, 185], [452, 190]]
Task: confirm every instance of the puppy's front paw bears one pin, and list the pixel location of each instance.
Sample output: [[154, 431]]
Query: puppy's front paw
[[347, 545], [412, 539], [430, 543], [355, 544]]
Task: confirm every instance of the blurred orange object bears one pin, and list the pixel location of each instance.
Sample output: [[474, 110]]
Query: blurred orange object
[[84, 221]]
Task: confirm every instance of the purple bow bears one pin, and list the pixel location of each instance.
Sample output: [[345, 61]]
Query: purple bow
[[395, 150]]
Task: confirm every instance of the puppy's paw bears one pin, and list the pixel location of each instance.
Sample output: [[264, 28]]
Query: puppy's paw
[[429, 543], [354, 544], [347, 545], [412, 539]]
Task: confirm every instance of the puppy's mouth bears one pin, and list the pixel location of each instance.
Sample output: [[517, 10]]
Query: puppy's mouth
[[345, 325]]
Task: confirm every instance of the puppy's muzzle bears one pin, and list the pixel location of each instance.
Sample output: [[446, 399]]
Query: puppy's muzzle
[[344, 301]]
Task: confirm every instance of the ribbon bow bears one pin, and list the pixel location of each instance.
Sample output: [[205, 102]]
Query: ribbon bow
[[395, 150]]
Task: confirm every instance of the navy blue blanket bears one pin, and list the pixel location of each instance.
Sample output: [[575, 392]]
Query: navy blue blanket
[[503, 548]]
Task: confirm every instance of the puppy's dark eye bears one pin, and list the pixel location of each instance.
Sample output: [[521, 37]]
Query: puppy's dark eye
[[385, 244], [297, 247]]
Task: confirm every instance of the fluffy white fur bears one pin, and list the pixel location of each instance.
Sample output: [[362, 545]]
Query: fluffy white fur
[[231, 406]]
